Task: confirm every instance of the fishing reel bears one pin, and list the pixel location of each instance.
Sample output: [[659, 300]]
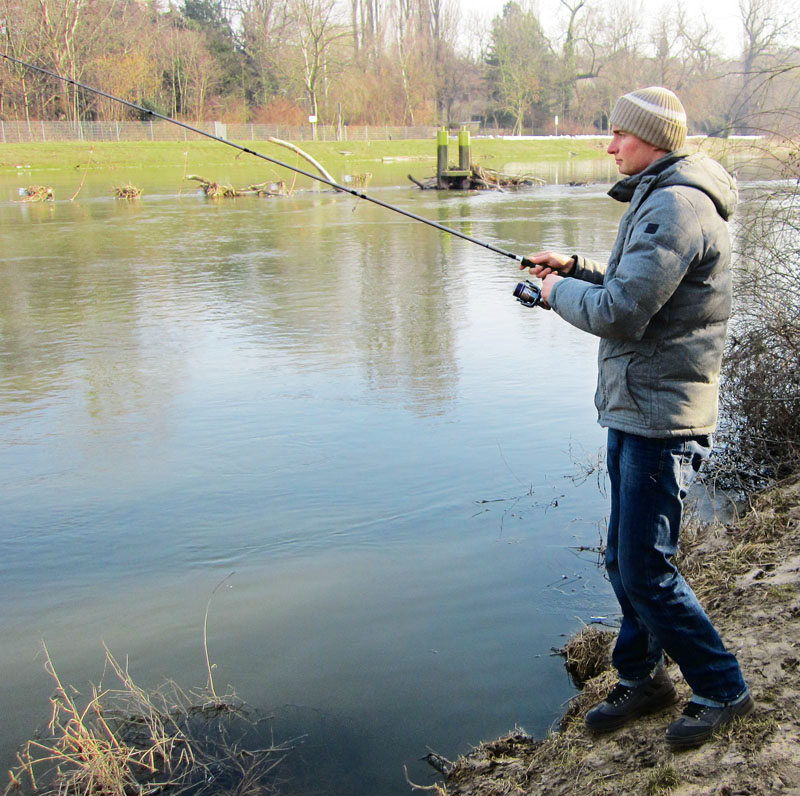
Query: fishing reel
[[529, 295]]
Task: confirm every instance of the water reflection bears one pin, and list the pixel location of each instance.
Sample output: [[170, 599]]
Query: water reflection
[[315, 394]]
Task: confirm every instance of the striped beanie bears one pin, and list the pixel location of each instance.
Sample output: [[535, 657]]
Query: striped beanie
[[653, 114]]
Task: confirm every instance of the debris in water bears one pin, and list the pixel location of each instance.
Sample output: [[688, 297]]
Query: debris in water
[[127, 192], [215, 190], [481, 179], [37, 193]]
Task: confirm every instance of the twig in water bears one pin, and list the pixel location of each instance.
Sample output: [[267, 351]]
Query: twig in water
[[211, 688]]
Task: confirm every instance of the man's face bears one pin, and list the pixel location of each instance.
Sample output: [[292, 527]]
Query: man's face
[[631, 154]]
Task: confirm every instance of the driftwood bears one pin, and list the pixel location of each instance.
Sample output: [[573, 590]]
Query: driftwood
[[479, 179], [215, 190]]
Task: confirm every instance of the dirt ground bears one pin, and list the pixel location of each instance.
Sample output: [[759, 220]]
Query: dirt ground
[[747, 575]]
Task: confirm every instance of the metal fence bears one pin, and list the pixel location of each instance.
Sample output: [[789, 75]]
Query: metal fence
[[23, 132]]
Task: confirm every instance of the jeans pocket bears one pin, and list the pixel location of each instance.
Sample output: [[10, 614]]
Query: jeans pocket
[[695, 450]]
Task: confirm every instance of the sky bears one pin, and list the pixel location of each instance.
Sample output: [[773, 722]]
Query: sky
[[724, 14]]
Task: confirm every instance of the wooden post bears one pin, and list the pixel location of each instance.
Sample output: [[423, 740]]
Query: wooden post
[[464, 154], [441, 157]]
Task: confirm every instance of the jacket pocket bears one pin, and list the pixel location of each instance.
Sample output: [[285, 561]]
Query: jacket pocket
[[625, 382]]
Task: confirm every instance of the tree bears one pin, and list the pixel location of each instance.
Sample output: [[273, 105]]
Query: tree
[[518, 65], [765, 25], [569, 72], [314, 33], [264, 27]]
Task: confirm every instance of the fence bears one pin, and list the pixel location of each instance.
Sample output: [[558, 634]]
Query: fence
[[23, 132]]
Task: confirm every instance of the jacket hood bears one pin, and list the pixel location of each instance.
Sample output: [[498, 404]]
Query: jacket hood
[[680, 168]]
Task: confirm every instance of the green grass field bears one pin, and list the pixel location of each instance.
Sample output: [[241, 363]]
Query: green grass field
[[332, 155]]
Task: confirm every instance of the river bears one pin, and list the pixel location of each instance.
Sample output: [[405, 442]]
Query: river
[[330, 427]]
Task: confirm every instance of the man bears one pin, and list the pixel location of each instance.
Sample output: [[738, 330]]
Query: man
[[660, 307]]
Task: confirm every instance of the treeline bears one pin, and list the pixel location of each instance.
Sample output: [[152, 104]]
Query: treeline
[[397, 62]]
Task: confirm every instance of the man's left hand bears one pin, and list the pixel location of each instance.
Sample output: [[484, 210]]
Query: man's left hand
[[548, 284]]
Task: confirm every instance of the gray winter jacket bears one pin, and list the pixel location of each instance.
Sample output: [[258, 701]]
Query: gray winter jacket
[[662, 303]]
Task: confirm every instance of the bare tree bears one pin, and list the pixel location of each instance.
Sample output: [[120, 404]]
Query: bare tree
[[314, 33], [569, 68], [766, 25]]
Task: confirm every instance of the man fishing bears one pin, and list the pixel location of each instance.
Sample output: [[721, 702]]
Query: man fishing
[[660, 308]]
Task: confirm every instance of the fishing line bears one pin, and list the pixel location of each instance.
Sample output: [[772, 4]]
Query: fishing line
[[524, 261]]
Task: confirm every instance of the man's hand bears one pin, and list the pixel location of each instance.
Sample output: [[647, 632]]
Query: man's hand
[[547, 285], [548, 263]]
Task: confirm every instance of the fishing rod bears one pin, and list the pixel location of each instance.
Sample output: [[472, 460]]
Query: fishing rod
[[523, 261]]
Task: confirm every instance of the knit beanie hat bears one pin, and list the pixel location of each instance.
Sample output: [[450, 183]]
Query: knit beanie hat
[[653, 114]]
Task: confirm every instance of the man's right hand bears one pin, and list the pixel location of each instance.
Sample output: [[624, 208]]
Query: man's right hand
[[549, 262]]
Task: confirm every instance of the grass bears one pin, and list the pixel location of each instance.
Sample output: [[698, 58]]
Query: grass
[[588, 654], [353, 156], [125, 741], [334, 155], [663, 779]]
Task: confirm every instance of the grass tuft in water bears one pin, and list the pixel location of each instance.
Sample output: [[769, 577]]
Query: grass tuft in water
[[125, 741]]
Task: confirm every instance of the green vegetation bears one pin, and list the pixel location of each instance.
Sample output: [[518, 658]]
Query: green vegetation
[[336, 156], [332, 154], [663, 779]]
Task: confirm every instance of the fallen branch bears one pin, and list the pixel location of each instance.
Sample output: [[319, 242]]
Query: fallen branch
[[314, 163]]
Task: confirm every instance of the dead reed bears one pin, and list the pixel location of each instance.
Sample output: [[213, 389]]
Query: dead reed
[[362, 180], [125, 741]]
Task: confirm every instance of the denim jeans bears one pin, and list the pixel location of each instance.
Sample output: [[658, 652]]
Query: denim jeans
[[660, 613]]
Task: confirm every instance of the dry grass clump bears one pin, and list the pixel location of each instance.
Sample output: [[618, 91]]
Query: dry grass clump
[[587, 654], [214, 190], [124, 741], [127, 191], [661, 780]]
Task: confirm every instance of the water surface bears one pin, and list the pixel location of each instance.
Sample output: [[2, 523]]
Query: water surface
[[340, 415]]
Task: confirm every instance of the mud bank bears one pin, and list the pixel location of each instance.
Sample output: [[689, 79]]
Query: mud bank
[[747, 575]]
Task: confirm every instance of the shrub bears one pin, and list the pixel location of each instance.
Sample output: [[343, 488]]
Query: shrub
[[759, 433]]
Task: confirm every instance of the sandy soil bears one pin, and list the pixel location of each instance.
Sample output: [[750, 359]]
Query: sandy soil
[[747, 575]]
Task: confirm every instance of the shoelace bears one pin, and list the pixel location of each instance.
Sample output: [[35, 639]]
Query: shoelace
[[694, 710], [619, 694]]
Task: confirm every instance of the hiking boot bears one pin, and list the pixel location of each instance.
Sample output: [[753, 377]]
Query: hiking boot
[[627, 702], [698, 722]]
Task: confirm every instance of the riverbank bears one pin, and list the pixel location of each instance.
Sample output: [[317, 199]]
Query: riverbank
[[747, 574]]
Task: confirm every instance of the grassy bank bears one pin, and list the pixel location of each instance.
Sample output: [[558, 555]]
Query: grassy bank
[[357, 155], [748, 575]]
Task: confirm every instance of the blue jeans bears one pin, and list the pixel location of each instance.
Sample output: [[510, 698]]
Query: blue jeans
[[649, 481]]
